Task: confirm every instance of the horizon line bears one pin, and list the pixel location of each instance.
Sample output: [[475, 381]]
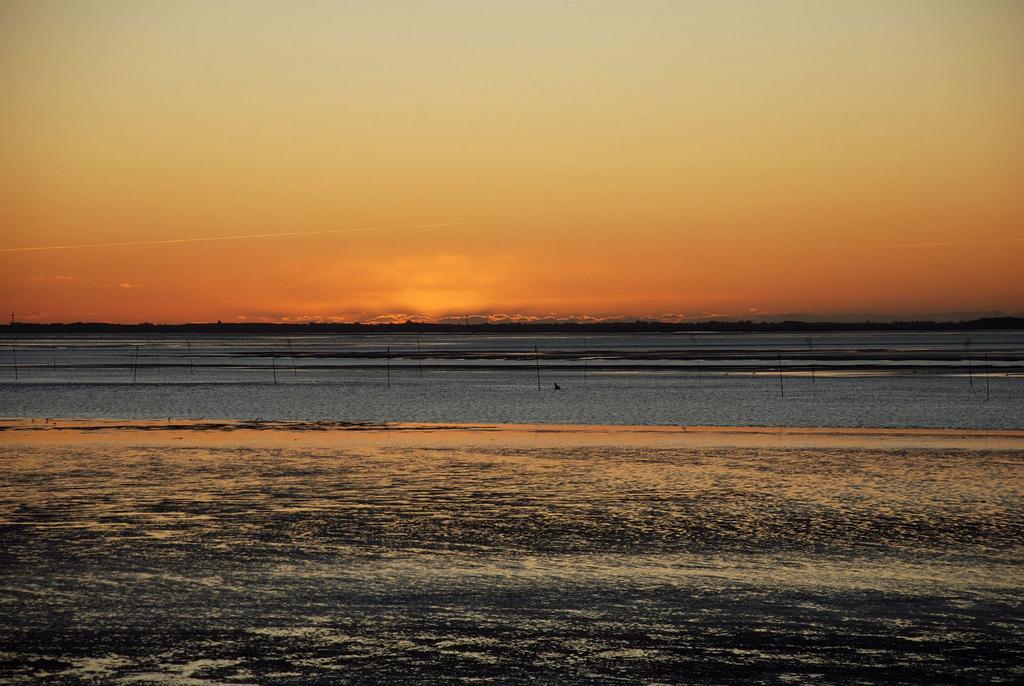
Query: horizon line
[[481, 321]]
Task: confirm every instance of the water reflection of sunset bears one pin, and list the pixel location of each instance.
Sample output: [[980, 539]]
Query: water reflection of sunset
[[362, 551]]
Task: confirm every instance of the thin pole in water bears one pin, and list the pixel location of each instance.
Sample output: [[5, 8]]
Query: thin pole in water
[[419, 353], [536, 359], [388, 365], [135, 364], [810, 344], [700, 372], [782, 389], [189, 345], [970, 369], [14, 350], [53, 358], [273, 364], [988, 375], [586, 352]]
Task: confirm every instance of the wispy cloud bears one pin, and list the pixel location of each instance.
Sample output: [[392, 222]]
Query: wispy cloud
[[120, 284], [55, 277], [209, 239], [482, 318]]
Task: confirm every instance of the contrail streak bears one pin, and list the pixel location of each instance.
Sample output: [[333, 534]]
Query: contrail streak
[[950, 243], [208, 239]]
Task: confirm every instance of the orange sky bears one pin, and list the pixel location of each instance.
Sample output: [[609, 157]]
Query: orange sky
[[597, 159]]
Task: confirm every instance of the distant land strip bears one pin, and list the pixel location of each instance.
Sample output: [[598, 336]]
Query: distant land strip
[[715, 326]]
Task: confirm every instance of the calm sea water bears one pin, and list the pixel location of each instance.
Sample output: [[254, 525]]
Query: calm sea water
[[497, 557], [496, 560], [971, 380]]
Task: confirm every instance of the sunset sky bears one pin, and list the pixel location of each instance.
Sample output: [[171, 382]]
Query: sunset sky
[[428, 159]]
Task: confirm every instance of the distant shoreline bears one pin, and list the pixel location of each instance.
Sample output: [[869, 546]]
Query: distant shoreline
[[738, 326]]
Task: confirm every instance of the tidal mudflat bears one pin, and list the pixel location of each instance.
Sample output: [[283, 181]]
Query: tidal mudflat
[[246, 553]]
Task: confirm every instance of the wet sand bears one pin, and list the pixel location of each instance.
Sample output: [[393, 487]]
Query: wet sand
[[326, 433], [294, 553]]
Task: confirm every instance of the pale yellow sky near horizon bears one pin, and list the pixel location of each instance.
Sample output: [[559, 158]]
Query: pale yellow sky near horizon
[[594, 158]]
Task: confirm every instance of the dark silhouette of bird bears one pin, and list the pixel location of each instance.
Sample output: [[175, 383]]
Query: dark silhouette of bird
[[557, 387]]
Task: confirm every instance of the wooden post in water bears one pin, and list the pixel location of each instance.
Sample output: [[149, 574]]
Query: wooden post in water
[[810, 345], [387, 366], [419, 353], [291, 352], [14, 350], [586, 352], [988, 375], [135, 364], [536, 359], [189, 345], [273, 363], [970, 370], [53, 358], [700, 372], [782, 389]]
